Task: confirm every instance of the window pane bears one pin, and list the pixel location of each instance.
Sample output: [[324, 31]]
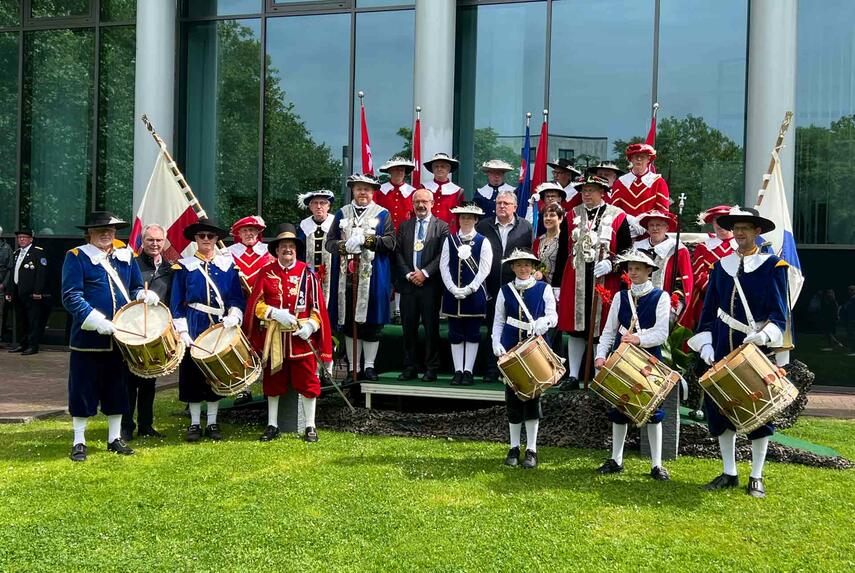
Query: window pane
[[8, 129], [601, 77], [223, 88], [385, 47], [306, 109], [499, 76], [825, 124], [57, 130], [202, 8], [116, 120], [375, 3], [701, 124], [54, 9], [10, 12], [118, 10]]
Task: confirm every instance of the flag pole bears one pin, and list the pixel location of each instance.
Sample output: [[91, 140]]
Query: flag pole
[[782, 131], [185, 187]]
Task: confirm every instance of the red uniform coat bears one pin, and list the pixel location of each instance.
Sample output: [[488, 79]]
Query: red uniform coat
[[663, 276], [637, 195], [397, 200], [297, 289], [249, 261], [446, 196], [705, 256]]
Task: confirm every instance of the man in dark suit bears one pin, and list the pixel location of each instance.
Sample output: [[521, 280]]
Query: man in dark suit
[[25, 288], [506, 232], [5, 271], [156, 273], [417, 278]]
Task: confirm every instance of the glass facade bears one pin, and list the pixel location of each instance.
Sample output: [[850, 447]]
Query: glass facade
[[9, 96]]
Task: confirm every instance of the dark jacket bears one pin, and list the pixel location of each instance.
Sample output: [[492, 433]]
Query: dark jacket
[[159, 280], [519, 237], [6, 265], [31, 275], [435, 234]]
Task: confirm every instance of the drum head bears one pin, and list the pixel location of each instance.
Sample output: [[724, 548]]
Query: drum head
[[210, 342], [149, 322]]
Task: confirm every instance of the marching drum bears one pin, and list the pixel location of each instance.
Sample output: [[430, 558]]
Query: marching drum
[[635, 382], [227, 360], [748, 388], [147, 339], [531, 367]]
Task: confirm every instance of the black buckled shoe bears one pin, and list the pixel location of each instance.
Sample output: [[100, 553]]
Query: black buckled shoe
[[429, 376], [149, 433], [491, 377], [120, 447], [513, 457], [468, 379], [311, 434], [408, 373], [30, 352], [569, 384], [755, 488], [243, 397], [213, 431], [530, 461], [78, 453], [723, 481], [370, 375], [17, 349], [194, 433], [270, 434], [126, 434], [659, 473], [457, 380], [610, 467]]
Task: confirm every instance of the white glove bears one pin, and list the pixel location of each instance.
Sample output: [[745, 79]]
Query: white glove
[[708, 354], [148, 296], [535, 197], [284, 317], [602, 268], [185, 338], [556, 292], [498, 349], [458, 292], [541, 325], [355, 242], [233, 318], [759, 338], [104, 326], [305, 331]]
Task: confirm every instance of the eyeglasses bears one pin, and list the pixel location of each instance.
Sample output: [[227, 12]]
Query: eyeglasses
[[206, 235], [503, 203]]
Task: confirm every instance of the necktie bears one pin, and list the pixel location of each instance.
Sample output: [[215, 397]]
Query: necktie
[[420, 235]]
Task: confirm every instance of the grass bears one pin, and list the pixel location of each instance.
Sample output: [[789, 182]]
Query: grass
[[354, 502]]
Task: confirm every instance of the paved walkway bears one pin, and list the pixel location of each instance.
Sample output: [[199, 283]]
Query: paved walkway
[[33, 387]]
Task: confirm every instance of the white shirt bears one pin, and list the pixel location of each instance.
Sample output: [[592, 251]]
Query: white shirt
[[484, 263], [505, 230], [21, 254], [653, 336], [416, 237], [500, 317]]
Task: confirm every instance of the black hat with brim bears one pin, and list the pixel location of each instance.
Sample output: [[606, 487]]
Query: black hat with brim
[[24, 231], [745, 215], [103, 219], [204, 225], [563, 164], [285, 231]]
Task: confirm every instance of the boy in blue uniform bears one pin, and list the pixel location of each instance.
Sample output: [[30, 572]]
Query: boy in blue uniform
[[525, 308], [746, 302], [648, 309], [205, 290], [97, 280]]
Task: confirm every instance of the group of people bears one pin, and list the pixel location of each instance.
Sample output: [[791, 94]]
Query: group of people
[[428, 253], [23, 275]]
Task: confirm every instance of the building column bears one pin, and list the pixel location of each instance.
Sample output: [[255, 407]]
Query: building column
[[154, 93], [433, 81], [772, 28]]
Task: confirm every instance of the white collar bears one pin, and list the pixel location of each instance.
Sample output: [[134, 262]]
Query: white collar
[[426, 219], [752, 262], [239, 249], [714, 242], [513, 220], [222, 261], [96, 255], [529, 282], [640, 290], [358, 208], [308, 225], [591, 209], [469, 236], [288, 268]]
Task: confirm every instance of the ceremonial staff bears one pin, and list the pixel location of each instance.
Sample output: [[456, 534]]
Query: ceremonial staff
[[589, 351], [681, 201], [354, 260]]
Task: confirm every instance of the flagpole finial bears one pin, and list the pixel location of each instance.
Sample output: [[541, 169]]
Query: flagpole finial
[[361, 94], [656, 105], [528, 115], [545, 112], [418, 109]]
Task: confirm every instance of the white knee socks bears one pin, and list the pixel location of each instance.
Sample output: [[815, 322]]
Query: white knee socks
[[78, 424], [727, 443], [273, 411], [618, 438], [370, 350], [114, 427], [309, 405], [575, 354], [654, 436], [195, 413], [531, 434], [213, 408], [758, 456], [457, 351], [515, 434], [348, 347], [471, 355]]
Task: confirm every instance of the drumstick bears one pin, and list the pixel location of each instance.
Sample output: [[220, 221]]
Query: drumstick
[[128, 332], [201, 348], [219, 336], [145, 311]]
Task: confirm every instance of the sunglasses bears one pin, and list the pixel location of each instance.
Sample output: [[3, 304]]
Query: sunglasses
[[206, 235]]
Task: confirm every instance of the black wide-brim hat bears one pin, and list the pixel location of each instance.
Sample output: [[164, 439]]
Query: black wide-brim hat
[[745, 215], [564, 164], [204, 224], [24, 231], [103, 219], [283, 232]]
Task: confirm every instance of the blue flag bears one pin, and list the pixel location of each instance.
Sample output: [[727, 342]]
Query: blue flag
[[523, 190]]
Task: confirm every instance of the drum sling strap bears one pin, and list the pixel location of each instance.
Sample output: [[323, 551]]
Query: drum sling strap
[[220, 309], [733, 323], [525, 326], [113, 277], [470, 262]]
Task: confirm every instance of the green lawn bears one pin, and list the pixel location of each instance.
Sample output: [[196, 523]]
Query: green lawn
[[368, 503]]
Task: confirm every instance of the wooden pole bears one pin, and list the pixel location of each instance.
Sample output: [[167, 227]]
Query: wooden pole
[[355, 293], [782, 131], [589, 350]]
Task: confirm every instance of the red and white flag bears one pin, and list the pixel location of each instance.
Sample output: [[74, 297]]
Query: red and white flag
[[165, 203], [538, 174], [416, 176], [367, 161], [651, 134]]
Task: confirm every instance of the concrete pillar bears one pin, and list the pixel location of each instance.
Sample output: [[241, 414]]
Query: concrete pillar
[[771, 91], [154, 93], [433, 81]]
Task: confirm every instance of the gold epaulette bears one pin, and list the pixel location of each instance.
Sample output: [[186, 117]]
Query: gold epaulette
[[38, 248], [782, 263], [176, 267], [75, 251]]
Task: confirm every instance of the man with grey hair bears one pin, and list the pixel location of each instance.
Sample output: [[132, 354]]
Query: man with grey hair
[[157, 275], [5, 269]]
